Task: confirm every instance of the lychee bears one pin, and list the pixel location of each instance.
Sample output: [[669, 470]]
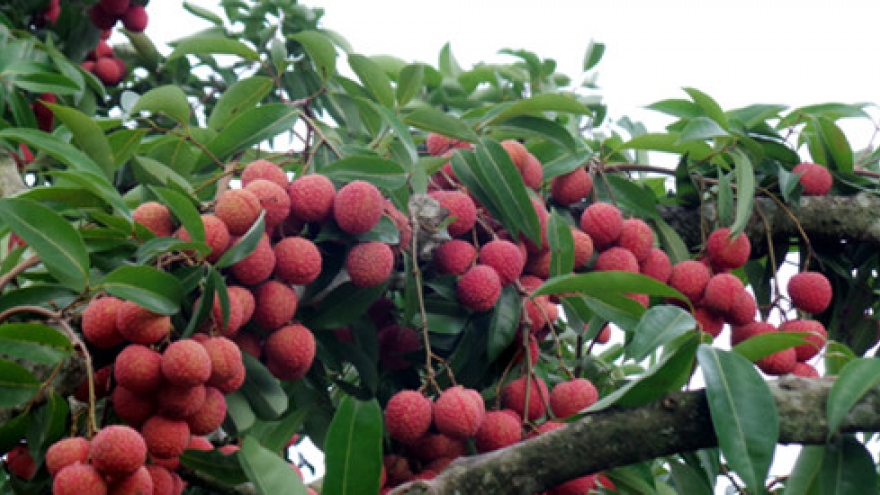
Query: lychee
[[454, 257], [577, 486], [290, 351], [479, 288], [656, 265], [779, 363], [458, 414], [498, 430], [65, 452], [810, 292], [132, 407], [815, 340], [616, 259], [572, 396], [437, 446], [396, 343], [533, 173], [815, 179], [273, 199], [234, 320], [720, 291], [728, 253], [20, 463], [357, 207], [245, 299], [257, 266], [572, 187], [505, 257], [438, 145], [805, 370], [519, 155], [180, 402], [745, 332], [210, 416], [513, 396], [369, 263], [99, 322], [408, 416], [225, 357], [636, 236], [603, 222], [117, 451], [583, 247], [690, 278], [140, 325], [297, 260], [311, 197], [138, 483], [79, 479], [165, 438], [138, 368], [238, 209], [115, 7], [709, 321], [743, 310], [163, 480], [264, 169], [275, 305], [185, 363], [135, 18], [461, 207], [156, 217], [216, 236], [538, 264]]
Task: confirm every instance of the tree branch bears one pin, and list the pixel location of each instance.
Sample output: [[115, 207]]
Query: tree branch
[[678, 423]]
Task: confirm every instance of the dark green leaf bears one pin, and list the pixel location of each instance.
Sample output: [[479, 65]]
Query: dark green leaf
[[270, 474], [46, 82], [612, 281], [241, 96], [354, 449], [212, 45], [222, 467], [745, 191], [433, 120], [700, 129], [688, 480], [202, 13], [410, 83], [150, 172], [34, 342], [805, 476], [17, 385], [182, 207], [669, 143], [54, 147], [505, 322], [678, 108], [265, 395], [594, 54], [99, 186], [245, 245], [342, 306], [320, 49], [252, 127], [239, 414], [855, 379], [848, 469], [527, 126], [168, 100], [759, 346], [48, 424], [380, 172], [88, 135], [373, 78], [561, 245], [659, 325], [709, 106], [547, 102], [151, 288]]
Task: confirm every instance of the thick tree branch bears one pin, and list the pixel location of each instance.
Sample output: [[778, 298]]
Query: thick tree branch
[[678, 423]]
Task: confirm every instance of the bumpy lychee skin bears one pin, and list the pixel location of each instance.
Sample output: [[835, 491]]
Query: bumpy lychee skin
[[99, 322], [778, 363], [78, 479], [603, 222], [396, 343], [290, 351], [458, 414], [540, 312], [257, 266], [454, 257], [745, 332], [513, 396], [165, 438], [438, 145], [815, 179], [297, 260], [140, 325], [533, 173], [583, 247], [266, 170], [815, 341], [690, 278], [617, 259], [273, 199], [163, 481], [135, 18], [460, 206], [138, 368], [276, 304], [225, 358], [216, 236], [810, 292], [185, 363], [210, 416], [156, 217], [570, 397], [132, 407], [636, 236], [311, 197], [408, 416], [720, 291], [357, 207], [245, 298], [577, 486], [709, 321], [479, 288], [117, 451], [656, 265], [65, 452], [572, 187], [805, 370], [238, 209], [538, 264], [369, 263], [180, 402], [505, 257], [519, 155], [743, 310], [234, 320], [498, 430], [137, 483], [728, 253]]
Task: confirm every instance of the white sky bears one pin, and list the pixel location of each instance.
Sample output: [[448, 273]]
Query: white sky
[[752, 51]]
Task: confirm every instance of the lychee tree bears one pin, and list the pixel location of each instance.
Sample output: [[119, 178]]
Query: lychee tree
[[449, 279]]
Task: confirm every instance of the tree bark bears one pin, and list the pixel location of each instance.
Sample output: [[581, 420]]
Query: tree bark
[[678, 423]]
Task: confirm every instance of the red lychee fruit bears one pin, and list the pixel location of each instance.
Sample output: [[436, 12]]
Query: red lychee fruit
[[583, 247], [45, 117], [479, 288], [572, 187], [99, 322], [458, 413], [656, 265], [238, 209], [135, 18], [505, 257], [396, 343], [225, 358], [743, 310], [108, 71], [65, 452], [778, 363], [257, 266], [438, 145], [138, 483], [690, 278], [297, 260], [454, 257], [815, 341], [408, 416], [603, 222], [513, 396], [636, 236], [728, 253], [538, 264], [140, 325], [79, 479], [290, 351], [165, 438], [461, 207], [234, 320], [720, 291], [249, 343], [434, 446], [311, 197], [805, 370], [185, 363], [533, 174], [114, 7], [357, 207], [275, 305], [245, 299], [117, 451], [369, 263], [539, 311], [20, 463], [815, 179], [273, 199], [498, 430], [138, 368], [577, 486], [163, 480], [709, 321], [401, 222], [616, 259], [570, 397], [519, 155], [233, 383], [745, 332], [132, 407], [180, 402], [100, 18], [810, 292], [210, 416], [264, 169], [216, 236], [604, 335]]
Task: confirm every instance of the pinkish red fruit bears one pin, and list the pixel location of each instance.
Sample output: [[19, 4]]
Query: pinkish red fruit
[[816, 339], [513, 396], [720, 291], [297, 260], [815, 179], [461, 207], [603, 222], [454, 257], [690, 278], [180, 402], [275, 305], [357, 207], [65, 452], [165, 438], [139, 369], [369, 263], [156, 217], [79, 479], [656, 265], [728, 253], [479, 288], [778, 363], [264, 169], [238, 209], [99, 322], [438, 145], [498, 430], [572, 187], [210, 416], [459, 412], [637, 237], [135, 18], [408, 416], [117, 451], [570, 397], [138, 483], [311, 197], [505, 257], [290, 351], [257, 266], [617, 259], [185, 363], [810, 292], [273, 199]]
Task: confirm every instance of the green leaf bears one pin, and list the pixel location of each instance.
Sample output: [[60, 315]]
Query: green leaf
[[373, 78], [212, 45], [837, 147], [222, 467], [611, 281], [320, 50], [709, 106], [381, 172], [432, 120], [47, 424], [561, 245], [240, 416], [505, 322], [700, 129], [60, 247], [275, 435], [270, 474], [182, 207], [669, 240], [447, 63], [527, 126], [99, 186], [688, 479], [848, 469], [669, 143], [410, 83], [659, 325], [245, 245], [837, 355], [265, 395], [54, 147], [252, 127], [203, 13], [88, 135], [46, 82], [354, 449], [17, 385], [855, 379], [805, 476], [168, 100], [594, 54], [34, 342], [677, 108], [759, 346], [151, 288], [743, 413], [342, 306], [150, 172], [745, 191], [547, 102], [243, 95]]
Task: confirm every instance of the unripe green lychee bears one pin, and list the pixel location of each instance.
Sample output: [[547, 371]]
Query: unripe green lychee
[[156, 217], [275, 305], [185, 363], [238, 209], [79, 479], [165, 438], [357, 207], [140, 325], [728, 253], [572, 396], [479, 288], [505, 257], [311, 198], [815, 179], [297, 260], [454, 257], [458, 413], [65, 452], [290, 351], [264, 169], [498, 430], [810, 292], [408, 416], [117, 451], [99, 322], [369, 263], [603, 222]]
